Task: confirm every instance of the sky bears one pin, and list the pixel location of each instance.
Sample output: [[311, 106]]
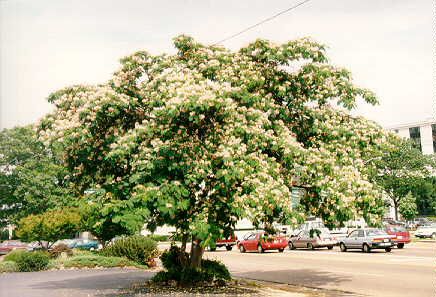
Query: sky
[[388, 45]]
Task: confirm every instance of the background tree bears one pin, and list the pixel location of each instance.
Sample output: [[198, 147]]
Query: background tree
[[205, 137], [32, 178], [49, 226], [407, 207], [401, 170], [105, 219]]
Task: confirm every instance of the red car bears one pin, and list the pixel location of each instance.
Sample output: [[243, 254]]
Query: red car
[[228, 242], [10, 245], [402, 236], [260, 241]]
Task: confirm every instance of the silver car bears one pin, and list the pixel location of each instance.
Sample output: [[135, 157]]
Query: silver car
[[367, 239], [304, 240]]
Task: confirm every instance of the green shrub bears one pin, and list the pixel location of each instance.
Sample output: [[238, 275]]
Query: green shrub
[[176, 263], [137, 248], [174, 258], [80, 252], [59, 249], [156, 237], [14, 255], [91, 261], [32, 261], [4, 235], [8, 266], [216, 268]]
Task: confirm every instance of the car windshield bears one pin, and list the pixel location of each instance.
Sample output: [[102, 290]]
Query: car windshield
[[372, 232]]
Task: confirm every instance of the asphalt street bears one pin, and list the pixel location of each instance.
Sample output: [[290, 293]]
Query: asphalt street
[[70, 283], [407, 272]]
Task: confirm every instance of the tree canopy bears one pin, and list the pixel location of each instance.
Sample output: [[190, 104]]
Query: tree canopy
[[402, 170], [32, 178], [207, 136]]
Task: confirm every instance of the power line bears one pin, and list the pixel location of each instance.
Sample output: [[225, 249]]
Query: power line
[[261, 22]]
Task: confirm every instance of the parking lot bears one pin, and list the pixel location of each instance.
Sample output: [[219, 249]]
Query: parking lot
[[406, 272]]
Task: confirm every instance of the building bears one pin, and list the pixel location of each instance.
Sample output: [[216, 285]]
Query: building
[[422, 133]]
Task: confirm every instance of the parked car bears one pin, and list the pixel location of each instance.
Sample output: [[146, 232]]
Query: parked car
[[428, 231], [304, 240], [367, 239], [84, 244], [261, 241], [10, 245], [402, 236], [228, 242], [422, 222]]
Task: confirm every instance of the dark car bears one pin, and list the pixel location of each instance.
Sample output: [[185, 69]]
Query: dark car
[[84, 244], [261, 241], [10, 245]]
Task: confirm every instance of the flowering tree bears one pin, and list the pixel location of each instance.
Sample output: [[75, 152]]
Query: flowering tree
[[205, 137]]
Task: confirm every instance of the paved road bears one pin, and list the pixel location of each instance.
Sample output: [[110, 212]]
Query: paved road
[[407, 272], [71, 283]]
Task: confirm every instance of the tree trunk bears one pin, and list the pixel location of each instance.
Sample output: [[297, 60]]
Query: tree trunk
[[196, 253], [184, 241], [396, 209]]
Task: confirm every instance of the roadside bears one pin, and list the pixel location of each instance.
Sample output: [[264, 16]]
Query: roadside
[[117, 282]]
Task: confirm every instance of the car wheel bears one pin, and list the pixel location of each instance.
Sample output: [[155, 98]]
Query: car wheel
[[310, 246], [241, 248], [281, 250], [229, 247], [366, 248], [400, 245], [260, 248], [291, 246], [388, 249], [330, 247], [433, 236], [343, 247]]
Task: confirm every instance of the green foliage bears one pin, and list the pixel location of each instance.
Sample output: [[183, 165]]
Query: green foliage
[[14, 255], [156, 237], [402, 170], [50, 226], [424, 190], [137, 248], [32, 179], [107, 220], [8, 266], [59, 249], [207, 136], [32, 261], [4, 235], [177, 269], [407, 207], [92, 261]]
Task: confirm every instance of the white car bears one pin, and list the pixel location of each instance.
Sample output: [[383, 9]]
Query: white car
[[428, 231]]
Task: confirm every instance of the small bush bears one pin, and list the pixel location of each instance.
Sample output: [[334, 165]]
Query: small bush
[[91, 261], [8, 266], [174, 258], [59, 249], [176, 262], [156, 237], [137, 248], [216, 268], [32, 261], [14, 255]]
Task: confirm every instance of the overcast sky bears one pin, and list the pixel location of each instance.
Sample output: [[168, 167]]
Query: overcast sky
[[45, 45]]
